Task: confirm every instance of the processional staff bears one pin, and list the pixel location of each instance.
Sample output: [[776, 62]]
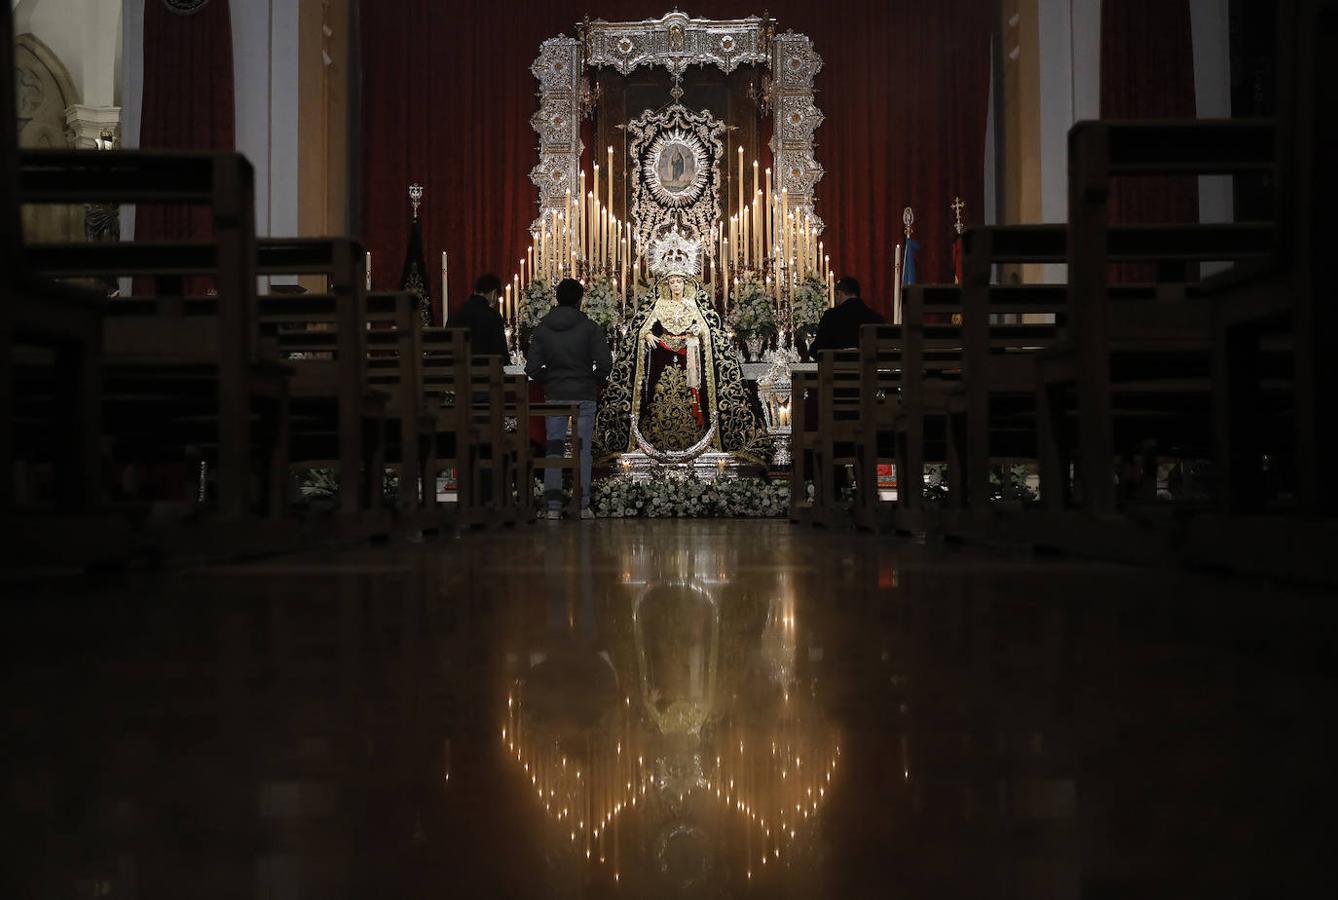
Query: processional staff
[[908, 223]]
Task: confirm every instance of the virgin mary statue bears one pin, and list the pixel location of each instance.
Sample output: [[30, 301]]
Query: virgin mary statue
[[677, 391]]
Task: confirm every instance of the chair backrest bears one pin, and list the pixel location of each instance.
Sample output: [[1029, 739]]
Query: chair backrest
[[223, 182]]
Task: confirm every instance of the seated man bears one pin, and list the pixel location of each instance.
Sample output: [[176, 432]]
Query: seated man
[[840, 325], [479, 315]]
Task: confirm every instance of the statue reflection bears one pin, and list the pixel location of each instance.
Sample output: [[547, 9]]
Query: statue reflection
[[685, 753]]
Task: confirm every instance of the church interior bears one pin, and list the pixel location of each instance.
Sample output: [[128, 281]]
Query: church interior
[[597, 449]]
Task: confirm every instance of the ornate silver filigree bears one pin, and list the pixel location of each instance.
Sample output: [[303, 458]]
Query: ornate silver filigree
[[676, 41], [675, 153], [558, 121]]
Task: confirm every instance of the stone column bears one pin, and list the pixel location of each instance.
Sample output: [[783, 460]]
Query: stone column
[[86, 124]]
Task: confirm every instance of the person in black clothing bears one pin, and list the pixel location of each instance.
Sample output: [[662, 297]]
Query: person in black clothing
[[479, 315], [839, 328]]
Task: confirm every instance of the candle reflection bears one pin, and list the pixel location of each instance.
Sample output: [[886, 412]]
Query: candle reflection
[[714, 756]]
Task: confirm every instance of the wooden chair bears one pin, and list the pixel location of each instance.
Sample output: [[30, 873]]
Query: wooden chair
[[395, 361], [932, 368], [839, 431], [881, 361], [324, 338], [448, 379], [803, 443], [571, 461], [1099, 152], [180, 371]]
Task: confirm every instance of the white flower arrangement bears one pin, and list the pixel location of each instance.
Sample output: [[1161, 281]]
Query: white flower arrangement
[[620, 496], [539, 299], [601, 304], [751, 310], [809, 302]]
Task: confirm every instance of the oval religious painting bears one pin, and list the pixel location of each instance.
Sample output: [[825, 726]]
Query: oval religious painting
[[676, 168]]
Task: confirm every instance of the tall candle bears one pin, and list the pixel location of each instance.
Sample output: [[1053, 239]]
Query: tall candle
[[506, 301], [523, 282], [610, 178], [445, 290], [757, 222], [367, 264], [756, 186], [740, 179], [771, 219]]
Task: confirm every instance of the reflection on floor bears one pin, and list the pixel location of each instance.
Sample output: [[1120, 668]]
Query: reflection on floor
[[666, 709]]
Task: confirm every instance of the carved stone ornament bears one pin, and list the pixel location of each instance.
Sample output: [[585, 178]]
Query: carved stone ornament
[[675, 154], [674, 42], [185, 7]]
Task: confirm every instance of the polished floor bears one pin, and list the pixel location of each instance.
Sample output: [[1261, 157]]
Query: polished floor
[[669, 709]]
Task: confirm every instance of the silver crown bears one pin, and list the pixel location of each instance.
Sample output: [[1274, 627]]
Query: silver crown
[[674, 254]]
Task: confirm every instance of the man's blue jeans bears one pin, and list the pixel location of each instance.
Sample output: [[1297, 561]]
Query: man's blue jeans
[[556, 428]]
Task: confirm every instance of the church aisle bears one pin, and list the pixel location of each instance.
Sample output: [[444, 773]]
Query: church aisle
[[668, 708]]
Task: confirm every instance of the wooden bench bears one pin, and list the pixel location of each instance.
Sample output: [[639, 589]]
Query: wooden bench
[[571, 461], [803, 443], [839, 430], [337, 414], [448, 379], [1098, 153], [881, 361], [395, 362], [164, 349], [493, 398]]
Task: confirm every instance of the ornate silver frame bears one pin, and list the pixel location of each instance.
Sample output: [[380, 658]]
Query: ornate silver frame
[[677, 41], [696, 212]]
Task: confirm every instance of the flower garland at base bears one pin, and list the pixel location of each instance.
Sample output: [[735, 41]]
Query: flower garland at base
[[620, 496]]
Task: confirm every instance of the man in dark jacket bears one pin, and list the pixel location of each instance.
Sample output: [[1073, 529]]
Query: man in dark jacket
[[839, 328], [569, 355], [478, 314]]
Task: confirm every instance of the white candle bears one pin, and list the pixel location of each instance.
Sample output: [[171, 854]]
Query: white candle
[[445, 290], [368, 267]]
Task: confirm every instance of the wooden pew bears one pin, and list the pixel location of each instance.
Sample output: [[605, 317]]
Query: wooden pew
[[1098, 153], [396, 363], [324, 338], [839, 429], [502, 413], [570, 462], [448, 379], [803, 442], [167, 339], [1145, 333], [881, 362], [932, 368]]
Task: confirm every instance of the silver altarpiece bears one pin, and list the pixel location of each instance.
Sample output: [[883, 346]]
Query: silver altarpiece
[[675, 42], [674, 160]]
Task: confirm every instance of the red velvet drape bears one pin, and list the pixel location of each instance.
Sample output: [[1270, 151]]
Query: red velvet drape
[[188, 101], [448, 95], [1147, 72]]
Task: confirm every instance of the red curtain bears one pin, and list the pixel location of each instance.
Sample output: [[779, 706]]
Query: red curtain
[[1147, 72], [188, 100], [447, 97]]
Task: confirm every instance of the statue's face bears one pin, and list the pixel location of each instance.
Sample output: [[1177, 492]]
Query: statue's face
[[676, 283]]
